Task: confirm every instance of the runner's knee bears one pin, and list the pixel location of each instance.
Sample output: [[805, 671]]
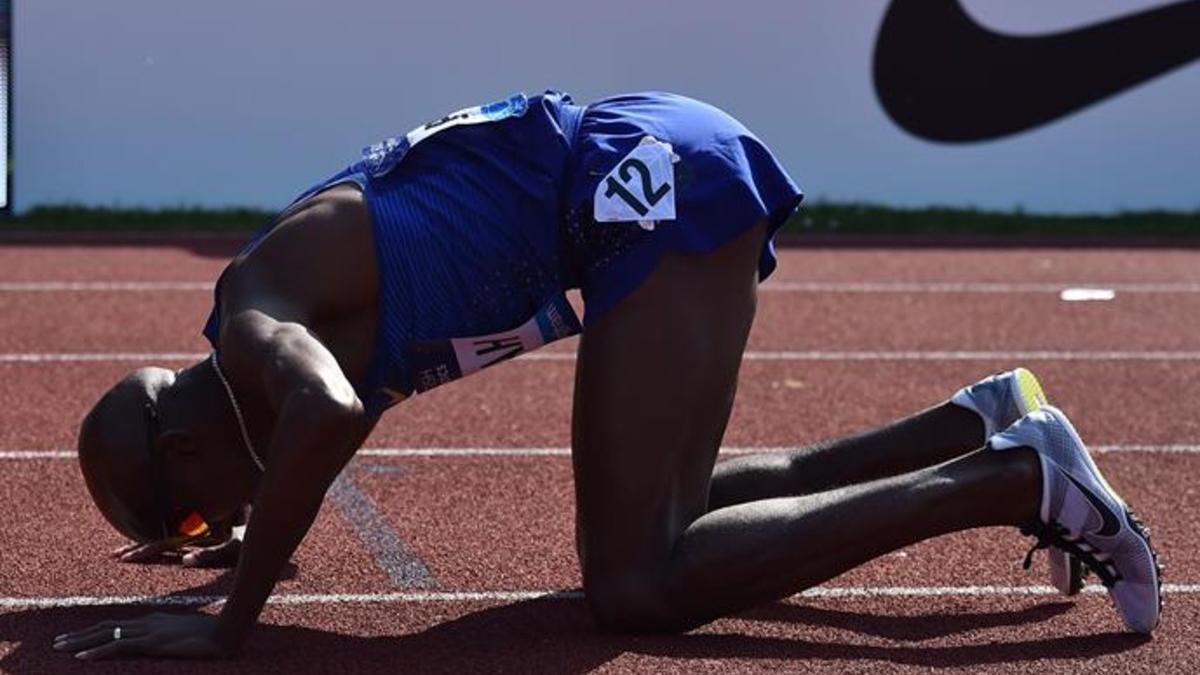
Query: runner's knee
[[634, 604]]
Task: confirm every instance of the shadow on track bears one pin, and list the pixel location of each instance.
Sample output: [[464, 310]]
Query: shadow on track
[[906, 628], [558, 636]]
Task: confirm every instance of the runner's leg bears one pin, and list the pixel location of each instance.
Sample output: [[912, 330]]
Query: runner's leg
[[930, 437], [654, 386]]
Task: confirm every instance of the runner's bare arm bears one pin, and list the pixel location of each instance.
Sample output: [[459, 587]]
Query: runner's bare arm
[[320, 424]]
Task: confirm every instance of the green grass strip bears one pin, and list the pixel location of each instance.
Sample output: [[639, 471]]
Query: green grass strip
[[815, 216], [821, 216]]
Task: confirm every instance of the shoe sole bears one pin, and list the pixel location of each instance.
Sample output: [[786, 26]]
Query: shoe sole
[[1066, 572]]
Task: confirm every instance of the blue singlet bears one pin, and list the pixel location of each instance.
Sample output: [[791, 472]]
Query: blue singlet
[[485, 217]]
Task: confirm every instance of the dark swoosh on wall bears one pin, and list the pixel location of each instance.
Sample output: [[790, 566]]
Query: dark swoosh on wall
[[942, 76]]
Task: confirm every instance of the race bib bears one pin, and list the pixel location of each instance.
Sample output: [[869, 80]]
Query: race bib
[[436, 362], [640, 188], [385, 155]]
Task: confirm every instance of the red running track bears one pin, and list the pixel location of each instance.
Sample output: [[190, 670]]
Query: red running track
[[487, 533]]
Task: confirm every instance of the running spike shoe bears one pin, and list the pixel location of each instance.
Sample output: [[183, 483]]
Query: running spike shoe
[[1082, 515], [1001, 400]]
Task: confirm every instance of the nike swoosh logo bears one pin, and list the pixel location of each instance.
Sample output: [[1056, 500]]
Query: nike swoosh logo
[[1112, 525], [942, 76]]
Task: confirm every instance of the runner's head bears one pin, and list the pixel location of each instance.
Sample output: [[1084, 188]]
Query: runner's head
[[162, 456]]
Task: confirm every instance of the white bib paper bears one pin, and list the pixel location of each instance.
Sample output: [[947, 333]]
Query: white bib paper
[[640, 188], [476, 353]]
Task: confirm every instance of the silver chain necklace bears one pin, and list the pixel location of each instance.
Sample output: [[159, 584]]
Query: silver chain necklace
[[237, 411]]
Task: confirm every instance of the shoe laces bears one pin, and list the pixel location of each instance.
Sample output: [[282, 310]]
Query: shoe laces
[[1058, 536]]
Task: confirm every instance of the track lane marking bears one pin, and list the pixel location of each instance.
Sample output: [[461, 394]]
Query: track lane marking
[[1039, 355], [103, 286], [419, 597], [99, 357], [392, 554], [444, 453], [973, 287], [936, 355], [751, 355]]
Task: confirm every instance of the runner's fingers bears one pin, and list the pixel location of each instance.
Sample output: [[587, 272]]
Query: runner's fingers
[[76, 642], [117, 553], [86, 631], [98, 635], [113, 648], [102, 630], [147, 552], [135, 555], [224, 554]]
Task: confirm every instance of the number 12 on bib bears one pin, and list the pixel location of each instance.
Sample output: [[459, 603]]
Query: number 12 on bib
[[641, 187]]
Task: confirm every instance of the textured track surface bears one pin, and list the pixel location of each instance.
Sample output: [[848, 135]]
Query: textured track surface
[[828, 357]]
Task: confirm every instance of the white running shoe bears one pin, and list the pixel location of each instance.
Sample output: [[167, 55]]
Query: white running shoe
[[1001, 400], [1083, 515]]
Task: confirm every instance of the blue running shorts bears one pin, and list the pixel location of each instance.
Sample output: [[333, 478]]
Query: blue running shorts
[[725, 181]]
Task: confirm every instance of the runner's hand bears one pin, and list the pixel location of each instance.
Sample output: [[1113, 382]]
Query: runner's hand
[[224, 554], [144, 553], [175, 636], [219, 548], [204, 552]]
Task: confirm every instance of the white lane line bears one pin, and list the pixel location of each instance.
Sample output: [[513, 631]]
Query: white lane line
[[99, 357], [973, 356], [970, 287], [464, 452], [1177, 449], [957, 355], [417, 597], [102, 286], [291, 598], [1180, 449], [959, 591], [786, 355], [771, 286]]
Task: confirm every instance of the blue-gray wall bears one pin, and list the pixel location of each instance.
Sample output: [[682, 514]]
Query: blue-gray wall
[[164, 102]]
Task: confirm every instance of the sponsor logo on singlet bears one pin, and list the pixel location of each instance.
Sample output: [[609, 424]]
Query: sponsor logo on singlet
[[382, 157]]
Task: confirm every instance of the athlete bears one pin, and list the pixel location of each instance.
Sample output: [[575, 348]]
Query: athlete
[[449, 249]]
